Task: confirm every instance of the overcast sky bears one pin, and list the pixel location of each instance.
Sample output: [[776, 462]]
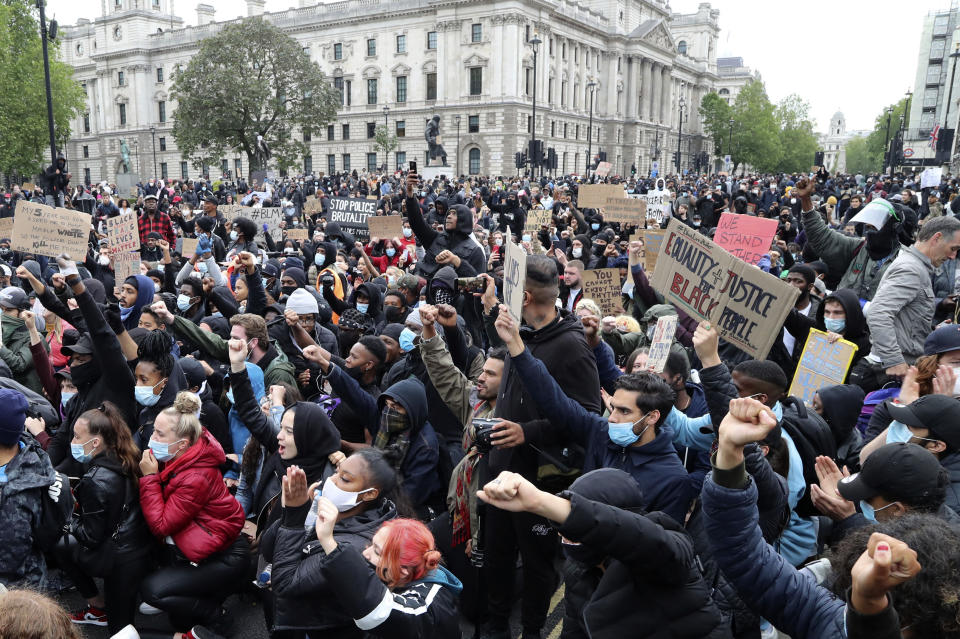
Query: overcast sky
[[855, 56]]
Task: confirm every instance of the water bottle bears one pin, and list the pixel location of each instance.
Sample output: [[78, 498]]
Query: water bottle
[[263, 579], [311, 521]]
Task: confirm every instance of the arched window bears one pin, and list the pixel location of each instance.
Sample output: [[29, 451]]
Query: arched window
[[682, 47], [724, 91], [474, 161]]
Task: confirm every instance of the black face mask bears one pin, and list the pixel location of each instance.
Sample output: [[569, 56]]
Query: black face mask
[[84, 375], [599, 249], [880, 243], [288, 290], [394, 314]]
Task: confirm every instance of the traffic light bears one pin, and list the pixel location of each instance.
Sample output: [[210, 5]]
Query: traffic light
[[633, 169], [551, 163], [603, 156], [535, 151], [674, 158], [517, 159]]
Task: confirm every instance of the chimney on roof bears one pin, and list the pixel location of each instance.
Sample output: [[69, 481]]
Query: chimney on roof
[[255, 7], [205, 14]]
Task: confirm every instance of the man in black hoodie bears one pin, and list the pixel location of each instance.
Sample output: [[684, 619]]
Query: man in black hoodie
[[454, 246], [56, 181]]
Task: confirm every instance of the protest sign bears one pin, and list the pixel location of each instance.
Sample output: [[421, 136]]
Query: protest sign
[[351, 214], [537, 218], [821, 364], [269, 215], [594, 196], [652, 239], [658, 205], [6, 227], [603, 286], [745, 236], [299, 235], [189, 246], [29, 186], [312, 205], [123, 235], [662, 341], [125, 264], [230, 211], [931, 177], [746, 305], [514, 279], [44, 230], [385, 227], [603, 169]]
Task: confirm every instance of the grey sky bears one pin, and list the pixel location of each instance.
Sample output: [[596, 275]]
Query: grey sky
[[853, 55]]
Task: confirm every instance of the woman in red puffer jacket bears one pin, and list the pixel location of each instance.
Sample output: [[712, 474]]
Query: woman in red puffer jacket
[[187, 505]]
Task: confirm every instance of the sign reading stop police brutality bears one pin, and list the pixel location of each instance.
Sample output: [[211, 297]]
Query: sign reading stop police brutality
[[351, 214], [746, 305], [745, 236], [44, 230]]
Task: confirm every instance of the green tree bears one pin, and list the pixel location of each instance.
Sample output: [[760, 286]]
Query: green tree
[[859, 157], [756, 138], [250, 80], [383, 142], [24, 134], [877, 141], [716, 114], [798, 142]]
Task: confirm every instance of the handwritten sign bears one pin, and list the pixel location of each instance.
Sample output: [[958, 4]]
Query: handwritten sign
[[603, 286], [6, 227], [312, 205], [662, 341], [125, 264], [658, 205], [604, 168], [745, 236], [627, 210], [821, 364], [351, 214], [537, 218], [269, 215], [746, 305], [29, 187], [514, 279], [44, 230], [385, 226], [300, 235], [652, 239], [931, 177], [189, 246], [122, 233], [594, 196]]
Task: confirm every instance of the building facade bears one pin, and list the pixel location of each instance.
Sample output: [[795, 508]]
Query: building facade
[[733, 75], [833, 143], [632, 62]]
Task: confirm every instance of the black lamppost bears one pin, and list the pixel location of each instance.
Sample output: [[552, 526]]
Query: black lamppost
[[46, 75], [683, 103], [591, 86], [153, 132], [386, 139], [535, 44], [730, 141], [136, 150], [456, 119], [886, 142]]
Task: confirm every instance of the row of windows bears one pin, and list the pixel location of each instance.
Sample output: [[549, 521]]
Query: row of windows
[[344, 87], [476, 35], [373, 161], [122, 78]]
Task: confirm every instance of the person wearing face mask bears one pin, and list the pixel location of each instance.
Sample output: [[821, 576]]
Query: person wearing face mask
[[365, 490], [629, 570], [242, 233], [840, 405], [159, 379], [582, 249], [15, 348], [206, 228], [189, 509], [107, 536], [331, 282], [136, 292], [841, 315], [395, 308], [511, 214]]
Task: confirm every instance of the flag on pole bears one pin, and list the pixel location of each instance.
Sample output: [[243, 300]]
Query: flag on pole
[[934, 137]]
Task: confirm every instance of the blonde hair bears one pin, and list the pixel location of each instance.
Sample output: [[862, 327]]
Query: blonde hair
[[25, 614], [627, 324], [186, 415], [589, 305]]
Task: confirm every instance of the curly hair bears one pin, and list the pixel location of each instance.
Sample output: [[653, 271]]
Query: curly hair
[[930, 602]]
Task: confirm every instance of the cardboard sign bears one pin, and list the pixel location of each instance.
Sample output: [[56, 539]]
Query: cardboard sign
[[745, 236], [537, 218], [123, 235], [312, 205], [821, 364], [652, 239], [300, 235], [351, 214], [189, 246], [29, 186], [595, 196], [931, 177], [603, 169], [746, 305], [125, 264], [514, 279], [662, 341], [627, 210], [603, 286], [6, 227], [385, 227], [44, 230], [269, 215], [658, 205]]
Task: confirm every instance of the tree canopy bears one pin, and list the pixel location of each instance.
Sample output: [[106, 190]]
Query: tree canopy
[[24, 136], [716, 115], [798, 142], [859, 158], [250, 79]]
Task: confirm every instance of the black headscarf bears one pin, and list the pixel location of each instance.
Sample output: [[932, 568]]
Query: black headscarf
[[316, 439]]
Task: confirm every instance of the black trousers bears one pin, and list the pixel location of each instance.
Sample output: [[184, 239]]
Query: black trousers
[[121, 584], [191, 594], [534, 537]]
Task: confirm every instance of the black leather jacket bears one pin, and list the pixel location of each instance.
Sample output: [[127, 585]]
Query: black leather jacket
[[108, 505]]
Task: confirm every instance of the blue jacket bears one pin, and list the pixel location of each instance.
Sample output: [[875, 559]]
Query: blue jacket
[[655, 466], [421, 478], [786, 597]]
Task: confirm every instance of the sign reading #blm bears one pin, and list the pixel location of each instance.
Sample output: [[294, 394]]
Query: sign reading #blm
[[351, 214]]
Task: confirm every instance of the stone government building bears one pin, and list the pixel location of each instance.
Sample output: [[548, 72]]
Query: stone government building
[[470, 63]]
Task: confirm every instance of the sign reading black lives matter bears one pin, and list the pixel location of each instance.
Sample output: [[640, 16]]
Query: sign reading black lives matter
[[351, 214], [745, 304]]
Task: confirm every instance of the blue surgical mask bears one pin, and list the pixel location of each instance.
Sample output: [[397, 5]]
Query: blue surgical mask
[[217, 314], [407, 232], [363, 308], [183, 302], [406, 340], [318, 259], [869, 512], [202, 267], [898, 432], [577, 252], [145, 396], [233, 236], [77, 451], [263, 281], [65, 397], [595, 226], [835, 325], [622, 433], [526, 237], [161, 450], [391, 252]]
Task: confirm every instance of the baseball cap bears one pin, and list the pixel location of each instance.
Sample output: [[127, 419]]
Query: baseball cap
[[83, 346], [946, 338], [896, 471], [937, 413], [14, 297], [149, 196]]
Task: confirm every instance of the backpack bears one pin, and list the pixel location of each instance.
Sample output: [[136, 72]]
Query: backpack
[[812, 437], [56, 509]]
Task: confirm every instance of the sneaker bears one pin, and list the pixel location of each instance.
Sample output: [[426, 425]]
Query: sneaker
[[147, 609], [90, 616], [199, 632]]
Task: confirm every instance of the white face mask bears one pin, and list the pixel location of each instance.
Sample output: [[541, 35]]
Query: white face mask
[[344, 500]]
